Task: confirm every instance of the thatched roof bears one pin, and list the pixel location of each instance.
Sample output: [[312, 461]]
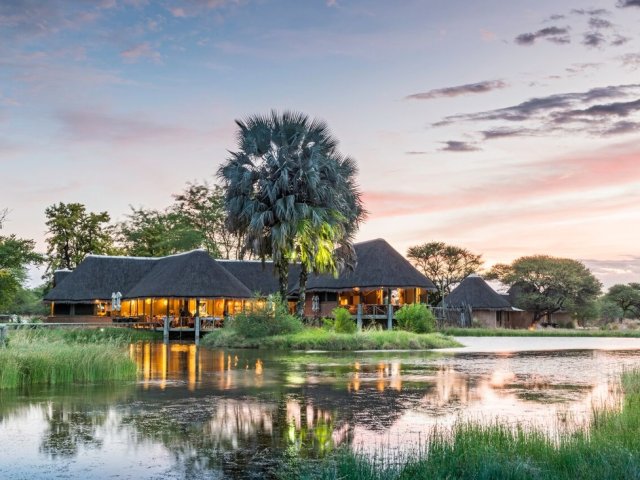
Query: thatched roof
[[259, 276], [379, 265], [474, 292], [189, 275], [97, 277]]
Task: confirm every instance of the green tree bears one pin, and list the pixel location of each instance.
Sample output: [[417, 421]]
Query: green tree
[[289, 194], [16, 254], [73, 233], [445, 265], [154, 233], [627, 297], [544, 285], [202, 207]]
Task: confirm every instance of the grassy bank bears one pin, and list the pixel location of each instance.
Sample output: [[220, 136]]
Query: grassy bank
[[63, 356], [550, 332], [318, 339], [610, 449]]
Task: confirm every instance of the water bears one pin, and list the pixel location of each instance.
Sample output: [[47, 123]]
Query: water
[[198, 413]]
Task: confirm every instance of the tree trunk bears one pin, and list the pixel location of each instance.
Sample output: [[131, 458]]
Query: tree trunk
[[302, 290], [283, 279]]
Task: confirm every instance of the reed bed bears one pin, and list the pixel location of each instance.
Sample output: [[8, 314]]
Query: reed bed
[[609, 448], [319, 339], [65, 356], [549, 332]]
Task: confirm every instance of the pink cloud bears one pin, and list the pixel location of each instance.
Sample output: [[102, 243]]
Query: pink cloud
[[141, 51]]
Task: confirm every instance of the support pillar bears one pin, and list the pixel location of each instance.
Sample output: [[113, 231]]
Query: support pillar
[[359, 317], [197, 322], [389, 317], [166, 324]]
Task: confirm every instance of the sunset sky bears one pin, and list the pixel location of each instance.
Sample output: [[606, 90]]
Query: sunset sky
[[507, 127]]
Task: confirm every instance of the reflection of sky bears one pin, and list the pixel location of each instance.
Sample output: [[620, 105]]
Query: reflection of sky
[[99, 100], [192, 406]]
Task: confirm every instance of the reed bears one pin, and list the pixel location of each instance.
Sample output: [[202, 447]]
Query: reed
[[556, 332], [319, 339], [54, 357], [609, 448]]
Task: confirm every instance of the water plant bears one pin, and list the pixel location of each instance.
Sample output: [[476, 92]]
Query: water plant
[[416, 318]]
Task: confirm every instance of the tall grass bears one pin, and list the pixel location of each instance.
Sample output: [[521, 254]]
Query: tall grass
[[319, 339], [54, 357], [556, 332], [609, 448]]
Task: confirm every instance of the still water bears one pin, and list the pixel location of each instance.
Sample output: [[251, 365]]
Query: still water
[[198, 413]]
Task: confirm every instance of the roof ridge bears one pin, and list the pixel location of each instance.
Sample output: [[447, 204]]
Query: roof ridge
[[127, 257]]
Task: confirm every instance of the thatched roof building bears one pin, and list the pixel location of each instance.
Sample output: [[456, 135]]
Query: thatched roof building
[[474, 292], [379, 266], [258, 276]]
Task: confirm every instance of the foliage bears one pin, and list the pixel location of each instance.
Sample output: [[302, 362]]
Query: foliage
[[609, 310], [264, 319], [545, 285], [342, 321], [28, 301], [627, 298], [608, 448], [416, 318], [546, 332], [15, 255], [73, 233], [60, 356], [321, 339], [154, 233], [290, 194], [444, 264]]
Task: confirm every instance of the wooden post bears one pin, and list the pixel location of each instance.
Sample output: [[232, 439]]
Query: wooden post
[[197, 321], [166, 324], [359, 317], [3, 335], [389, 317]]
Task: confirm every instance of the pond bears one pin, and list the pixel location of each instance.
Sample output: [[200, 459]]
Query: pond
[[198, 413]]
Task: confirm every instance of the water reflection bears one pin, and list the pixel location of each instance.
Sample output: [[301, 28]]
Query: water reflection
[[196, 413]]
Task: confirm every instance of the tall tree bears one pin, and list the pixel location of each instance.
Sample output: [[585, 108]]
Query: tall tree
[[545, 285], [627, 297], [154, 233], [445, 265], [202, 206], [16, 255], [73, 233], [286, 188]]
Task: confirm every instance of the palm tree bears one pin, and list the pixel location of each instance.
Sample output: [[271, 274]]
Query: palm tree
[[291, 195]]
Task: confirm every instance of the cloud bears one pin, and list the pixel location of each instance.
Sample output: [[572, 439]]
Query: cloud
[[539, 108], [458, 90], [504, 133], [599, 23], [558, 35], [591, 11], [415, 152], [458, 146], [100, 126], [593, 39], [140, 51], [619, 40], [628, 3], [581, 68], [555, 17], [622, 127]]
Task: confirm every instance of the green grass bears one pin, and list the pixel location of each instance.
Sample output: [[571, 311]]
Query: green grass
[[610, 448], [64, 356], [318, 339], [555, 332]]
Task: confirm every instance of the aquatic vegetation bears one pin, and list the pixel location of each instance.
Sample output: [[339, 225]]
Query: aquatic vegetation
[[52, 357], [549, 332], [609, 448], [320, 339]]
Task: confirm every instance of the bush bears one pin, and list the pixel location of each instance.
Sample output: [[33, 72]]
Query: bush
[[266, 319], [416, 318], [343, 323]]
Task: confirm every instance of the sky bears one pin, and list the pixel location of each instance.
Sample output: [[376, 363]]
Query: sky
[[507, 127]]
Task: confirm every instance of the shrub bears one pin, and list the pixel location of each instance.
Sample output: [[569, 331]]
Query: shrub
[[266, 319], [343, 323], [416, 318]]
